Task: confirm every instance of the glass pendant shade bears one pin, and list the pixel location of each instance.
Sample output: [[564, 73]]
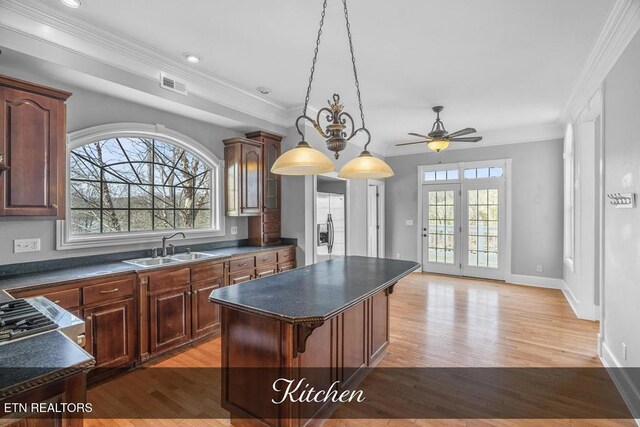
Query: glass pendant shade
[[302, 160], [438, 144], [365, 166]]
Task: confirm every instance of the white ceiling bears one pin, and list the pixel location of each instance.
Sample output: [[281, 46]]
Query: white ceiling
[[493, 64]]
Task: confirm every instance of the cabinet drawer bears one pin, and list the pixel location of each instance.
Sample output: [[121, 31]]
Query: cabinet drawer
[[271, 237], [207, 271], [108, 290], [169, 279], [271, 227], [286, 255], [266, 258], [242, 264], [65, 299], [271, 217], [241, 276], [286, 266]]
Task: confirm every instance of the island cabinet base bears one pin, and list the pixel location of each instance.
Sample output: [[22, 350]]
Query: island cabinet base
[[257, 350]]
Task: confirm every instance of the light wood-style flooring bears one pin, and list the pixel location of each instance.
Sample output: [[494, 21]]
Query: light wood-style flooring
[[436, 321]]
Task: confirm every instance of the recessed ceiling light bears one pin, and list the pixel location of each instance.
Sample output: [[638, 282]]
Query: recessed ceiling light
[[74, 4], [192, 57], [264, 90]]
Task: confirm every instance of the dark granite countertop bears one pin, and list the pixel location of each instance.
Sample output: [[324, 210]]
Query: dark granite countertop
[[36, 360], [110, 268], [317, 292]]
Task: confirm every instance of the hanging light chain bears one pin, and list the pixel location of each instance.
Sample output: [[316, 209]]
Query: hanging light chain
[[315, 58], [353, 61]]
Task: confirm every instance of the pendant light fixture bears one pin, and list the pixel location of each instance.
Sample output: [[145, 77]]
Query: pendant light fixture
[[304, 160]]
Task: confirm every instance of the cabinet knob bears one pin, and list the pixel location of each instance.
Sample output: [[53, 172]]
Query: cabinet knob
[[54, 206], [87, 318]]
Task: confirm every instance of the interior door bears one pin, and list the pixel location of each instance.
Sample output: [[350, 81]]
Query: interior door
[[441, 228], [484, 228]]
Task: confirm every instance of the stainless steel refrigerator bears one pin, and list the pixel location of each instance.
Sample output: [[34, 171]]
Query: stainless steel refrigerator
[[330, 217]]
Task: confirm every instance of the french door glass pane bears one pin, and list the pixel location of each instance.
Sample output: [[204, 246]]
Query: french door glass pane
[[483, 228], [441, 234]]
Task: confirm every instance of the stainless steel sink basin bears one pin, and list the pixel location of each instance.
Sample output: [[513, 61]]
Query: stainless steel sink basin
[[190, 256], [152, 262]]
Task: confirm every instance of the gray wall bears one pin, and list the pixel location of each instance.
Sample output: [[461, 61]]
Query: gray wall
[[86, 109], [621, 294], [536, 206]]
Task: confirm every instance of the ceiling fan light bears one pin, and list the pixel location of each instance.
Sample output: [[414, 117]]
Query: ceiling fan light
[[302, 160], [438, 144], [365, 166]]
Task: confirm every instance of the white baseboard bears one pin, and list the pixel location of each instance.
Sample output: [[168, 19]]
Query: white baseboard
[[628, 390], [571, 299], [537, 281]]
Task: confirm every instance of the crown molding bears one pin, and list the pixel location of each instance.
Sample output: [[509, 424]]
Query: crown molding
[[620, 27], [46, 23], [518, 135]]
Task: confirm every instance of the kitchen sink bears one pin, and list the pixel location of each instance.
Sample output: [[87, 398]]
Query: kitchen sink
[[190, 256], [152, 262]]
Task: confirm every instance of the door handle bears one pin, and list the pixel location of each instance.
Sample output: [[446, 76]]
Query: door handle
[[110, 292]]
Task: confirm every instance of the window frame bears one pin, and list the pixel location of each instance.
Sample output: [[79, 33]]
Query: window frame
[[66, 240]]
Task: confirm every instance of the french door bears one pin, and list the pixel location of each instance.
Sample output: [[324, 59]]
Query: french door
[[463, 228], [441, 228]]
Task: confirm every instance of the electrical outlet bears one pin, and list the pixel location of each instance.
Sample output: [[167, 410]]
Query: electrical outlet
[[234, 230], [26, 245], [624, 351], [409, 222], [539, 268], [398, 255]]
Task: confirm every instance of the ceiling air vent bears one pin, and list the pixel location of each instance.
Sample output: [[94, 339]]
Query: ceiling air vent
[[172, 84]]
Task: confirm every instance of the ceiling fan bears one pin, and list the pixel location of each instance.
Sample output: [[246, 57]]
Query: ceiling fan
[[438, 139]]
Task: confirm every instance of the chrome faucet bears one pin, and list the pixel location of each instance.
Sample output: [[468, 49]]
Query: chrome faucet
[[164, 241]]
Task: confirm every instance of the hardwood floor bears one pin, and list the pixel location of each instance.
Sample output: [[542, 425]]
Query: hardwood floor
[[436, 321]]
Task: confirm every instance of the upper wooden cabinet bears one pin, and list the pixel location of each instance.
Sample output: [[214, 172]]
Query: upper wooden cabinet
[[243, 165], [243, 174], [32, 149]]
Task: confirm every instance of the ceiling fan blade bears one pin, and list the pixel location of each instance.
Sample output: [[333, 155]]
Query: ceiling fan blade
[[411, 143], [469, 139], [418, 135], [461, 132]]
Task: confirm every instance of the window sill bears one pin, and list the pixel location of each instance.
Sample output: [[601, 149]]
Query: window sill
[[66, 242]]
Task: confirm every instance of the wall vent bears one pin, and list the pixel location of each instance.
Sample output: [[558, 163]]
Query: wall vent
[[172, 84]]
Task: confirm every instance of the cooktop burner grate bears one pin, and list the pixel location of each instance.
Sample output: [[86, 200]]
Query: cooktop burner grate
[[19, 319]]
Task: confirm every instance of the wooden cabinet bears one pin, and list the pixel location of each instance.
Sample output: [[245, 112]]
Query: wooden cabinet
[[32, 149], [169, 318], [165, 310], [110, 331], [244, 175], [265, 229], [205, 315], [242, 268]]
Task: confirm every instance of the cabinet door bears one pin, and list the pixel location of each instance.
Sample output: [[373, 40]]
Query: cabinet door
[[31, 144], [169, 318], [111, 333], [379, 330], [205, 314], [266, 270], [251, 187], [241, 276], [271, 194]]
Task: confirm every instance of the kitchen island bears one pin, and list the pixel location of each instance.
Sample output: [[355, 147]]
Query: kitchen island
[[326, 322]]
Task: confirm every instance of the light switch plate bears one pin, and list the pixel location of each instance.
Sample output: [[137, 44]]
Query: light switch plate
[[409, 222], [26, 245], [234, 230]]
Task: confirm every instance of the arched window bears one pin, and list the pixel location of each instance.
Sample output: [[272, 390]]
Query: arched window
[[133, 182]]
